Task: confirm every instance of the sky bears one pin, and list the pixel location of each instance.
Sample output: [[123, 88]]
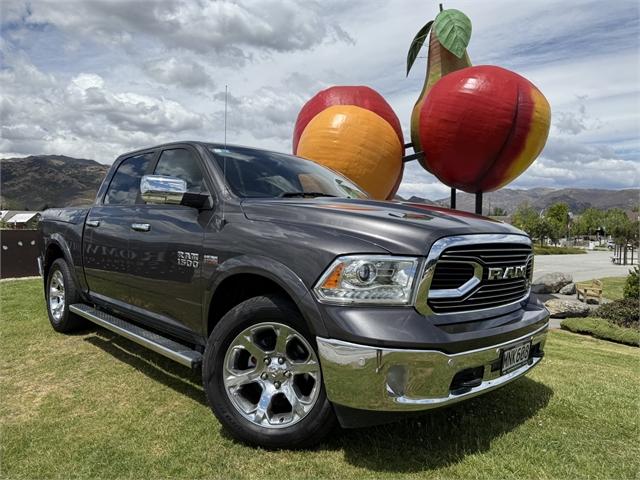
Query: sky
[[96, 78]]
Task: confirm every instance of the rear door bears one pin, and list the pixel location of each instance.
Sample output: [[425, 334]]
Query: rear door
[[166, 248], [106, 236]]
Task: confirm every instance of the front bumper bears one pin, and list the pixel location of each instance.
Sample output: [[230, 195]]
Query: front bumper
[[385, 379]]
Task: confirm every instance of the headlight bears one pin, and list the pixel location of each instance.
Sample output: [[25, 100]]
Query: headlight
[[368, 279]]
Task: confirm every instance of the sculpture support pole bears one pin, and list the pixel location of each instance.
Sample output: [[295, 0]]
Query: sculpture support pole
[[479, 203], [452, 203]]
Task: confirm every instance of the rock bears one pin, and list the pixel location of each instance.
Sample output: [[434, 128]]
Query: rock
[[569, 289], [551, 282], [566, 308]]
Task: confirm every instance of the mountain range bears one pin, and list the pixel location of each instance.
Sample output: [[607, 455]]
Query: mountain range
[[39, 181], [508, 199]]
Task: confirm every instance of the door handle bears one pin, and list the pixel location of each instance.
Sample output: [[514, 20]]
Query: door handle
[[141, 227], [93, 223]]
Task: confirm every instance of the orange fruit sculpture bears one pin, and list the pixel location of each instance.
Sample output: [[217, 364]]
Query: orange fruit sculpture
[[353, 130]]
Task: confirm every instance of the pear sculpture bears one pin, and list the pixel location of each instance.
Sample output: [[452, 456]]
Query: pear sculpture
[[450, 35], [478, 127]]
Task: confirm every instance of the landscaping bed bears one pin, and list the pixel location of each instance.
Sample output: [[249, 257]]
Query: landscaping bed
[[548, 250], [94, 405], [604, 329]]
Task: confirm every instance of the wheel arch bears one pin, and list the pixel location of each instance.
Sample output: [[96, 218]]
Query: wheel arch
[[241, 278], [56, 247]]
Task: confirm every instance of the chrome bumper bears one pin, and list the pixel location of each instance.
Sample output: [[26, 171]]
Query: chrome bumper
[[370, 378]]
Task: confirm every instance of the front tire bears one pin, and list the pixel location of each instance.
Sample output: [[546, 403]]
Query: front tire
[[60, 292], [262, 376]]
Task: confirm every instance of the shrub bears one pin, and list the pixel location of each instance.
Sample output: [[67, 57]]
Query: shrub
[[632, 286], [624, 312], [601, 328]]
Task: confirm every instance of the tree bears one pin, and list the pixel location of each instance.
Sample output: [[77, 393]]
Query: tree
[[497, 212], [528, 219], [558, 218], [525, 218], [587, 223]]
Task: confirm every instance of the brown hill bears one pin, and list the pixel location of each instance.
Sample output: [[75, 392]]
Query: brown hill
[[578, 199], [39, 181]]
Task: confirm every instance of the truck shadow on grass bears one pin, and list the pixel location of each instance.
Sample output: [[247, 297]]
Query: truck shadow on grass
[[443, 436], [417, 443], [160, 369]]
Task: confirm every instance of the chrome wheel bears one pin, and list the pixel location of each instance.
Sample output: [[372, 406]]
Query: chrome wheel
[[271, 375], [56, 295]]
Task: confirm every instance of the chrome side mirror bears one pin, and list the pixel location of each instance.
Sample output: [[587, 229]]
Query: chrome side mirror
[[162, 190]]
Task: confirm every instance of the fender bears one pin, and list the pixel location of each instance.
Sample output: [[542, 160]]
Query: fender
[[275, 271], [58, 240]]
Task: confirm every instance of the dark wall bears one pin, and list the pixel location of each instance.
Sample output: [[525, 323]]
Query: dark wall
[[18, 253]]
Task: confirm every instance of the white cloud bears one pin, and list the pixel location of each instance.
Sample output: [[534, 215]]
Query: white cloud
[[179, 72], [96, 78]]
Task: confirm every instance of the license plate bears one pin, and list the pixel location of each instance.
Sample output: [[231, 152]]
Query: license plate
[[515, 357]]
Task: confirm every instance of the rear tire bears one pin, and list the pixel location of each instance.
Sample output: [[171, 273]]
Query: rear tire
[[60, 292], [262, 376]]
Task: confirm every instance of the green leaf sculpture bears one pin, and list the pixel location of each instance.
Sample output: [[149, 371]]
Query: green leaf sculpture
[[416, 45], [453, 29]]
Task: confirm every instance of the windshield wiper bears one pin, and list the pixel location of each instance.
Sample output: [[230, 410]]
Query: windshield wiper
[[304, 194]]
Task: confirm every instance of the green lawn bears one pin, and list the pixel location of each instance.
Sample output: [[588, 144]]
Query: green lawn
[[550, 250], [612, 287], [94, 405]]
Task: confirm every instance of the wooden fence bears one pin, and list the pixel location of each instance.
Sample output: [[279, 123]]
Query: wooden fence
[[19, 253]]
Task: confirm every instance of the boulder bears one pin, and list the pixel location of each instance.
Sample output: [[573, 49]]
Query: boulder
[[551, 282], [559, 308], [569, 289]]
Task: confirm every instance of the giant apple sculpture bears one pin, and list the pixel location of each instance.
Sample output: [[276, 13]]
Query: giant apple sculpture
[[481, 127], [353, 130]]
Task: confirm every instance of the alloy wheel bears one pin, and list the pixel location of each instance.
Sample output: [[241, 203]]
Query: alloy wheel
[[56, 295], [272, 375]]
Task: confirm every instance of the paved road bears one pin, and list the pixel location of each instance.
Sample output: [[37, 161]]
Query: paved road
[[583, 267]]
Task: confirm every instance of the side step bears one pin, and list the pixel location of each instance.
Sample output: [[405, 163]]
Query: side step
[[159, 344]]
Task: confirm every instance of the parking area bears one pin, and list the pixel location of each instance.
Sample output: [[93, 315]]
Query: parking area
[[594, 264]]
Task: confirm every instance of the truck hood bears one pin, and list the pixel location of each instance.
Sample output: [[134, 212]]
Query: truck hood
[[398, 227]]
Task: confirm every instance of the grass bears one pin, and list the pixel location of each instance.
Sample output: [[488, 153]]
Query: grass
[[602, 328], [95, 405], [549, 250], [612, 287]]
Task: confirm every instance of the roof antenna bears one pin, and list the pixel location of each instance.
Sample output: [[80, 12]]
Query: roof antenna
[[226, 93], [224, 158]]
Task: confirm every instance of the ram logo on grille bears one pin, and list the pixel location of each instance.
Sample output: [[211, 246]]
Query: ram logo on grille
[[497, 273]]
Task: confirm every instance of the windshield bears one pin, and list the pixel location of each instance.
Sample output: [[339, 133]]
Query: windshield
[[255, 173]]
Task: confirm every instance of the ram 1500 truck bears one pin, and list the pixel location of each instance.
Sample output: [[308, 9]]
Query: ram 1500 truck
[[303, 302]]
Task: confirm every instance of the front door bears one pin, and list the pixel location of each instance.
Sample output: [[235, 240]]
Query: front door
[[166, 248], [106, 236]]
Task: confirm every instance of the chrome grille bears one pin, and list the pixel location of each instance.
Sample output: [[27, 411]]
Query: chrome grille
[[450, 272]]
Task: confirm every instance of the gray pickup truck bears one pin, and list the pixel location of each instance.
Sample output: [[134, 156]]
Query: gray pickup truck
[[304, 303]]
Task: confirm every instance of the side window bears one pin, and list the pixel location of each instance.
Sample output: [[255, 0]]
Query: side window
[[183, 164], [125, 184]]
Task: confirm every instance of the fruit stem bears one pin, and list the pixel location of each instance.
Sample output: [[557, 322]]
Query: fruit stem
[[441, 7]]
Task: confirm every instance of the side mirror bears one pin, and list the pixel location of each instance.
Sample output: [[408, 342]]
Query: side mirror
[[162, 190]]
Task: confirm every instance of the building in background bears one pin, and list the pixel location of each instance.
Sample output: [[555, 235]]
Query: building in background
[[19, 220]]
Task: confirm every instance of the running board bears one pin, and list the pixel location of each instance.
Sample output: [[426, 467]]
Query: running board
[[159, 344]]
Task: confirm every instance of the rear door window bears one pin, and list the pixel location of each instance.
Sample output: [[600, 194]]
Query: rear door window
[[125, 184]]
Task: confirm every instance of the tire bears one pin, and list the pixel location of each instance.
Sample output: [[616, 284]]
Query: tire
[[236, 344], [60, 292]]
